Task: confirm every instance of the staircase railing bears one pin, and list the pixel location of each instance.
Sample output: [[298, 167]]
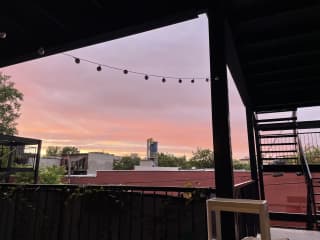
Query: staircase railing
[[311, 209]]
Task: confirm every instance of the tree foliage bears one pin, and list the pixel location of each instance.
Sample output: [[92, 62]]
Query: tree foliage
[[10, 103], [202, 158], [312, 154], [169, 160], [240, 166], [47, 175], [51, 175], [53, 151], [127, 162], [24, 177], [69, 150]]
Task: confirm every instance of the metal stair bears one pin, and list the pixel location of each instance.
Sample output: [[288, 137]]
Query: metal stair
[[276, 147], [278, 143], [316, 197]]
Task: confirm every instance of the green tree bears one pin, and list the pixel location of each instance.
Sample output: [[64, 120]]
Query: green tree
[[69, 150], [202, 158], [24, 177], [53, 151], [126, 163], [169, 160], [312, 154], [10, 103], [240, 166], [47, 175], [58, 151], [52, 175]]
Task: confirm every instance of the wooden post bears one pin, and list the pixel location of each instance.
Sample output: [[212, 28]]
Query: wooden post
[[36, 168], [220, 114], [252, 150], [259, 160], [9, 165]]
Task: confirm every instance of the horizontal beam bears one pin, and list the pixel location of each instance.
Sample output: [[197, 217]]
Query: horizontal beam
[[279, 103], [282, 62], [288, 217], [13, 170], [274, 26], [289, 168], [289, 126], [277, 119], [280, 46]]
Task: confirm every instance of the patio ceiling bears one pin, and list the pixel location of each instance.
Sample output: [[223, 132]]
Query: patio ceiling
[[273, 46], [277, 43]]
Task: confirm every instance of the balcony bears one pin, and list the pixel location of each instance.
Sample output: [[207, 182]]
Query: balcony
[[272, 51]]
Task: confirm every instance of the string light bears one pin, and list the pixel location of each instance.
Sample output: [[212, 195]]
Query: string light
[[126, 71], [3, 35], [77, 60], [41, 51]]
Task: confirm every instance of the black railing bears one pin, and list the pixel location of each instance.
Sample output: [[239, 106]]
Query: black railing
[[68, 212], [311, 211], [310, 143]]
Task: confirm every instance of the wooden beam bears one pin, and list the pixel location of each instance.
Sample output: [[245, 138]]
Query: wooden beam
[[259, 160], [235, 67], [220, 113], [252, 149], [289, 125], [36, 167]]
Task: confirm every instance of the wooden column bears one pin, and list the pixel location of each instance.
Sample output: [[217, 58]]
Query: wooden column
[[9, 165], [220, 114], [36, 168], [259, 160], [252, 149]]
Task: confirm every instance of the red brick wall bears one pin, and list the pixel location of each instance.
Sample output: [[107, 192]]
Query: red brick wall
[[286, 193]]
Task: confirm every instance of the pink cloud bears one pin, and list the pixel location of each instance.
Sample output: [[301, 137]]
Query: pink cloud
[[73, 104]]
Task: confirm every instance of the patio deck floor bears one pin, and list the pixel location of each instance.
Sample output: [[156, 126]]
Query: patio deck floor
[[294, 234]]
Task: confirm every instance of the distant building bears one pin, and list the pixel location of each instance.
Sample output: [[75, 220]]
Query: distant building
[[82, 163], [78, 163], [244, 160], [152, 151], [50, 161], [100, 161]]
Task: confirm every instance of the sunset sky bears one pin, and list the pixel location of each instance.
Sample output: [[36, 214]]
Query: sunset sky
[[73, 104]]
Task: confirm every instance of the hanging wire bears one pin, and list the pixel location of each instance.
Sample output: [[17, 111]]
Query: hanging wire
[[126, 71]]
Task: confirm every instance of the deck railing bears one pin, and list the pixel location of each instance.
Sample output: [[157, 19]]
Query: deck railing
[[67, 212]]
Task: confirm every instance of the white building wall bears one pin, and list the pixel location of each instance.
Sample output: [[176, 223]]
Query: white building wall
[[100, 161], [49, 162]]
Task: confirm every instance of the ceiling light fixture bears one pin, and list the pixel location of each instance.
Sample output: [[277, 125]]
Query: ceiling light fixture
[[3, 35]]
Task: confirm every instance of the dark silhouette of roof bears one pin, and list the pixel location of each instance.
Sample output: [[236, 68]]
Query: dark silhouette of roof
[[272, 46]]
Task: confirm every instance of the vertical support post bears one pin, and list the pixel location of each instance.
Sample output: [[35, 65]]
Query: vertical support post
[[252, 150], [36, 168], [9, 165], [220, 114], [309, 224], [259, 160]]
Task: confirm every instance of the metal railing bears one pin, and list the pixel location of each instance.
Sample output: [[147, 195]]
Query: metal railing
[[310, 143], [311, 210]]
